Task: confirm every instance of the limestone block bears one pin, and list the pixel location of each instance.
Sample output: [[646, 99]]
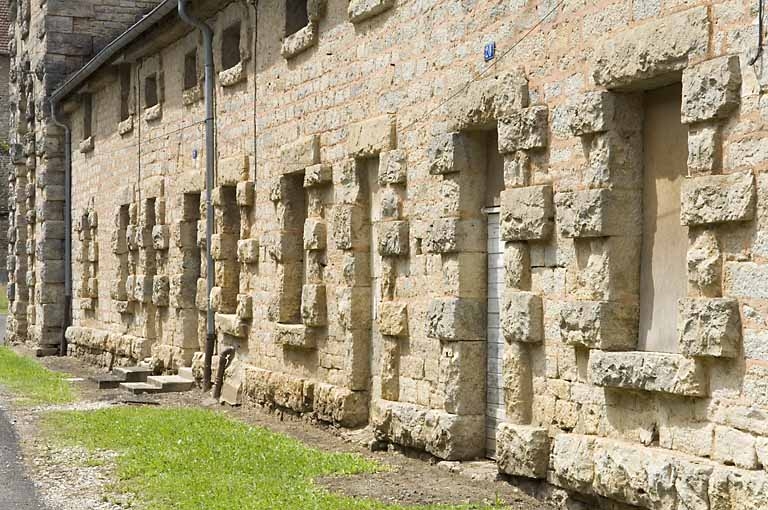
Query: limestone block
[[317, 175], [517, 383], [592, 112], [248, 251], [143, 286], [489, 99], [392, 237], [300, 154], [444, 435], [295, 336], [313, 306], [223, 247], [160, 290], [182, 291], [522, 450], [244, 306], [161, 237], [153, 113], [353, 305], [314, 234], [737, 489], [733, 446], [705, 266], [605, 269], [604, 325], [452, 152], [527, 213], [390, 204], [231, 324], [649, 371], [117, 291], [648, 50], [517, 169], [393, 167], [461, 377], [599, 213], [523, 129], [340, 405], [517, 266], [393, 318], [451, 235], [244, 193], [348, 226], [709, 327], [454, 319], [299, 41], [717, 199], [711, 89], [232, 76], [522, 317], [184, 234], [360, 10], [704, 150], [130, 286], [371, 136]]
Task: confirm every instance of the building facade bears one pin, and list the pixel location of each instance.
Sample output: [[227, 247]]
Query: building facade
[[552, 256]]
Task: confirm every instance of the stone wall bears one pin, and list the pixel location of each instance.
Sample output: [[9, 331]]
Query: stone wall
[[5, 163], [350, 241]]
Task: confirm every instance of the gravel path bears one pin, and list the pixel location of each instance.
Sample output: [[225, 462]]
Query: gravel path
[[16, 490]]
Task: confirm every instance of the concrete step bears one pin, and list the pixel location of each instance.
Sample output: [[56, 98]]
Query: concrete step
[[139, 388], [186, 373], [132, 374], [107, 381], [170, 383]]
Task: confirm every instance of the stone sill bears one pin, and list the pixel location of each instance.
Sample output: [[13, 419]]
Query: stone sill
[[232, 76], [649, 371], [87, 145], [125, 127], [300, 41], [230, 324], [361, 10], [296, 336], [153, 113], [191, 96]]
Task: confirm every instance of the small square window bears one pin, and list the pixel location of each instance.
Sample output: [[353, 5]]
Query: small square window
[[230, 47], [150, 91], [296, 16], [190, 70], [125, 92]]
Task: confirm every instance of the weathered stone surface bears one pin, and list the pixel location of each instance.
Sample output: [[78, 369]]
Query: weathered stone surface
[[592, 112], [452, 152], [705, 153], [313, 306], [705, 265], [517, 169], [244, 193], [392, 238], [461, 377], [393, 167], [317, 175], [160, 290], [489, 99], [248, 251], [265, 387], [599, 213], [347, 226], [295, 336], [522, 450], [603, 325], [524, 129], [231, 324], [517, 266], [735, 447], [651, 49], [314, 234], [360, 10], [522, 317], [444, 435], [451, 235], [299, 41], [649, 371], [453, 319], [372, 136], [527, 213], [298, 155], [340, 405], [709, 327], [717, 199], [746, 280], [393, 318], [244, 307], [711, 89]]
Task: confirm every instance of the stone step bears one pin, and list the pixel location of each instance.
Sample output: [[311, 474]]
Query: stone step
[[139, 388], [170, 383], [186, 373], [107, 381], [132, 374]]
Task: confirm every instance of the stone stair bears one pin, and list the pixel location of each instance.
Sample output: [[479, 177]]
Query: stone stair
[[121, 375], [139, 380]]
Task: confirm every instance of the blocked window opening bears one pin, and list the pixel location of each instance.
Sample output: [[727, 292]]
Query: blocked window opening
[[190, 70], [151, 96], [294, 272], [230, 47], [227, 266], [87, 116], [663, 272], [125, 92], [296, 16]]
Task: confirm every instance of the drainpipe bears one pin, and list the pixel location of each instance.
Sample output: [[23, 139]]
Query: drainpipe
[[210, 339], [67, 228], [225, 358]]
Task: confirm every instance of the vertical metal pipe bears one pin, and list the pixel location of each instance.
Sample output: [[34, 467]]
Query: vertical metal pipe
[[209, 176]]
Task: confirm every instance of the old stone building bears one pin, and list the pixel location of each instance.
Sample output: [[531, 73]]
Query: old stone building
[[4, 146], [555, 256]]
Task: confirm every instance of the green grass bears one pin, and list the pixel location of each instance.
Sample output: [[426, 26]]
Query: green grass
[[192, 458], [3, 299], [31, 382]]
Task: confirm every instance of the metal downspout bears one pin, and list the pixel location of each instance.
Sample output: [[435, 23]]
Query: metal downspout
[[67, 227], [210, 339]]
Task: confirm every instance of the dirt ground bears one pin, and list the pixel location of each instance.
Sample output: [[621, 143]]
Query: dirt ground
[[412, 478]]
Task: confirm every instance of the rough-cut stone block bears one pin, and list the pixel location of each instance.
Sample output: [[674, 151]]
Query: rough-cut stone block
[[182, 291], [372, 136], [244, 193], [153, 113], [393, 168], [452, 235], [488, 99], [709, 327], [244, 306], [452, 152], [317, 175], [592, 112], [223, 247], [704, 150], [340, 405], [393, 318], [711, 89], [649, 371], [527, 213], [717, 199], [232, 76], [298, 155], [522, 317], [455, 319], [517, 266], [161, 237], [522, 450], [231, 324], [314, 234], [87, 145], [296, 336], [299, 41], [248, 251], [650, 50], [733, 446], [160, 290], [517, 169], [143, 286], [523, 129], [361, 10], [599, 213], [601, 325], [348, 226], [313, 306], [392, 237], [461, 377]]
